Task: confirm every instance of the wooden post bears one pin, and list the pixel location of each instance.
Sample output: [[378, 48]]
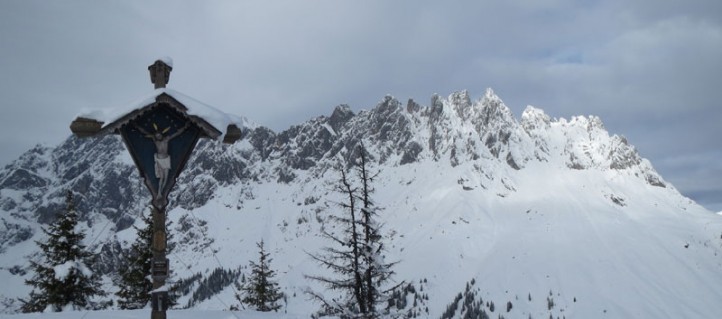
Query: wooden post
[[159, 265]]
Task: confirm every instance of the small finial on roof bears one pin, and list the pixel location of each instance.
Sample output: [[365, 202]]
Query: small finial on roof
[[160, 72]]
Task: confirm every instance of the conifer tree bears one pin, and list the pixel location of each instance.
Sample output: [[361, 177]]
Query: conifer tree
[[63, 278], [135, 284], [260, 291], [375, 271], [357, 258]]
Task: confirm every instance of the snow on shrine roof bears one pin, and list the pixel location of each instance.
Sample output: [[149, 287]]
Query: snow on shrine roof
[[167, 60], [216, 118]]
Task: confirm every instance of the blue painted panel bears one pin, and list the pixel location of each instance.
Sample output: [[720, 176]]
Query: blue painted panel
[[148, 135]]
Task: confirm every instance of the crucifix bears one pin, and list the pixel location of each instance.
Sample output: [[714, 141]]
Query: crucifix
[[162, 158], [160, 137]]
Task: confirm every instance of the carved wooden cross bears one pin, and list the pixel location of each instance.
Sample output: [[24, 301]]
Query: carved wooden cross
[[160, 134]]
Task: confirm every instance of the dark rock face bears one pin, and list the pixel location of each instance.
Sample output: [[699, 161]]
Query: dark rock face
[[622, 154], [262, 139], [111, 259], [412, 106], [411, 153], [22, 179], [11, 234], [340, 116]]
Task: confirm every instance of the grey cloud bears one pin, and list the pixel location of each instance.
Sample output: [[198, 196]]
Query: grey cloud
[[697, 174]]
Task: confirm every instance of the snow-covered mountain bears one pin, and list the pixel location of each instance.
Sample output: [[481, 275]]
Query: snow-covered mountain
[[538, 216]]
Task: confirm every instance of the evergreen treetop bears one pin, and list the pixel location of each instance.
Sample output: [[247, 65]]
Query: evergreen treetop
[[135, 285], [63, 277], [261, 292]]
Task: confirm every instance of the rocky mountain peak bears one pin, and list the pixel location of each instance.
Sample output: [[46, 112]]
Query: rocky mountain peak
[[29, 170], [452, 129], [412, 106], [490, 95], [534, 119], [494, 111], [461, 103], [341, 114]]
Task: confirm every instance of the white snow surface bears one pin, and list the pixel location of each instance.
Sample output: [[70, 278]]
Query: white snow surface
[[217, 118], [167, 60], [660, 256], [63, 270], [145, 313]]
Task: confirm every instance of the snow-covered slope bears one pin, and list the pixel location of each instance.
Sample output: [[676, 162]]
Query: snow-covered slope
[[175, 314], [551, 216]]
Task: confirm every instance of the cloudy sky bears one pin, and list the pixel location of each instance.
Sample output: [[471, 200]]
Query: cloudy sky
[[652, 70]]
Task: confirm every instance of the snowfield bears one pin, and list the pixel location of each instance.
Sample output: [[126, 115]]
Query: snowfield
[[145, 313]]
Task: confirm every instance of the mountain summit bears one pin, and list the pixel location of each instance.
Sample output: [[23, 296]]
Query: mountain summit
[[546, 216]]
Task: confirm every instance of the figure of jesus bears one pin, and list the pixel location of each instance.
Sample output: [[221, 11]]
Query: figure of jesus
[[161, 156]]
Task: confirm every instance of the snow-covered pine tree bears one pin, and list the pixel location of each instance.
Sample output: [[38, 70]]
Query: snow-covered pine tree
[[358, 260], [260, 291], [63, 278], [135, 284]]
